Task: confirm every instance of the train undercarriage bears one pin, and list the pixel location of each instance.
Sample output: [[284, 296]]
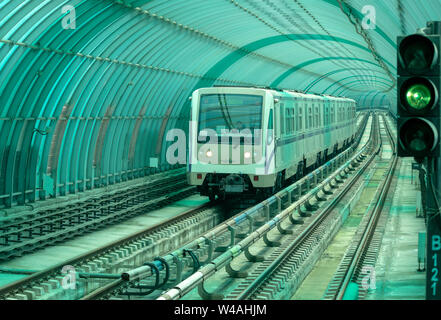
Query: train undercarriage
[[234, 186]]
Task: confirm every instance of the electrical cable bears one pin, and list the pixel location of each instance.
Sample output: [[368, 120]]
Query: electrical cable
[[357, 25]]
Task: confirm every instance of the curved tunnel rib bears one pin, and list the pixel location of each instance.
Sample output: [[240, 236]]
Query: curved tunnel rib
[[87, 97]]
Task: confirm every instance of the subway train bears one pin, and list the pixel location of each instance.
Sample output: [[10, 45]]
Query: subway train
[[253, 141]]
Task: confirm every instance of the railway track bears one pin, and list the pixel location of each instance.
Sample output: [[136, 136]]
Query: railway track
[[288, 265], [95, 268], [286, 262], [349, 281], [361, 251], [312, 228], [26, 231], [206, 247], [108, 265]]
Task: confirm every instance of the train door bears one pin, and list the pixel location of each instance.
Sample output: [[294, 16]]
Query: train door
[[326, 124], [316, 120], [300, 128], [296, 151], [279, 125]]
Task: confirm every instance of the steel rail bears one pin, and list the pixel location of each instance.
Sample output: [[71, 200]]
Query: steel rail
[[363, 244], [55, 270], [78, 221], [296, 244], [210, 268], [146, 271]]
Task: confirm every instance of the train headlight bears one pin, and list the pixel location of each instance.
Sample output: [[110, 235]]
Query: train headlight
[[209, 153], [247, 155]]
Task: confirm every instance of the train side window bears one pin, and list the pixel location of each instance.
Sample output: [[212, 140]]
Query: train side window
[[306, 116], [290, 120], [293, 119], [317, 117], [270, 120], [296, 117], [321, 120], [310, 116], [341, 112], [326, 115], [282, 118], [332, 113], [300, 127], [321, 116], [314, 119]]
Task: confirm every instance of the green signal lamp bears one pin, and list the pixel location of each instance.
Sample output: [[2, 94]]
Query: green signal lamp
[[418, 101], [418, 96]]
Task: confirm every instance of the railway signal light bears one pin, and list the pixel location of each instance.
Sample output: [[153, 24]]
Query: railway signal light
[[418, 96]]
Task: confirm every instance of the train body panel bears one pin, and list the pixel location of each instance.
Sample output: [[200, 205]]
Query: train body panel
[[246, 140]]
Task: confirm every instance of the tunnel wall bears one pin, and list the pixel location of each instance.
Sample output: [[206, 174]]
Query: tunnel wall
[[90, 89]]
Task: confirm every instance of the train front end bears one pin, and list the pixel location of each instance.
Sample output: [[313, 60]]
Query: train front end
[[231, 143]]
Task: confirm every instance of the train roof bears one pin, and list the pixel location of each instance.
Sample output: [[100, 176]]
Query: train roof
[[277, 91]]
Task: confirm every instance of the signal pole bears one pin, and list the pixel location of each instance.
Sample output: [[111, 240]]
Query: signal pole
[[433, 283], [418, 109], [436, 232]]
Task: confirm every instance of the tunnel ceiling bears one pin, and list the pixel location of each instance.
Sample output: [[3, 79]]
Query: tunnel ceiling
[[88, 102]]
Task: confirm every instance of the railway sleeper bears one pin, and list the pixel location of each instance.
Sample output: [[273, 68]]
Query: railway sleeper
[[253, 257], [311, 207], [204, 294], [294, 220], [303, 213], [271, 243], [283, 230], [235, 273], [319, 198]]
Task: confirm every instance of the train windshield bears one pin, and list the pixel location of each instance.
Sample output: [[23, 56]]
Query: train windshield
[[231, 115]]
